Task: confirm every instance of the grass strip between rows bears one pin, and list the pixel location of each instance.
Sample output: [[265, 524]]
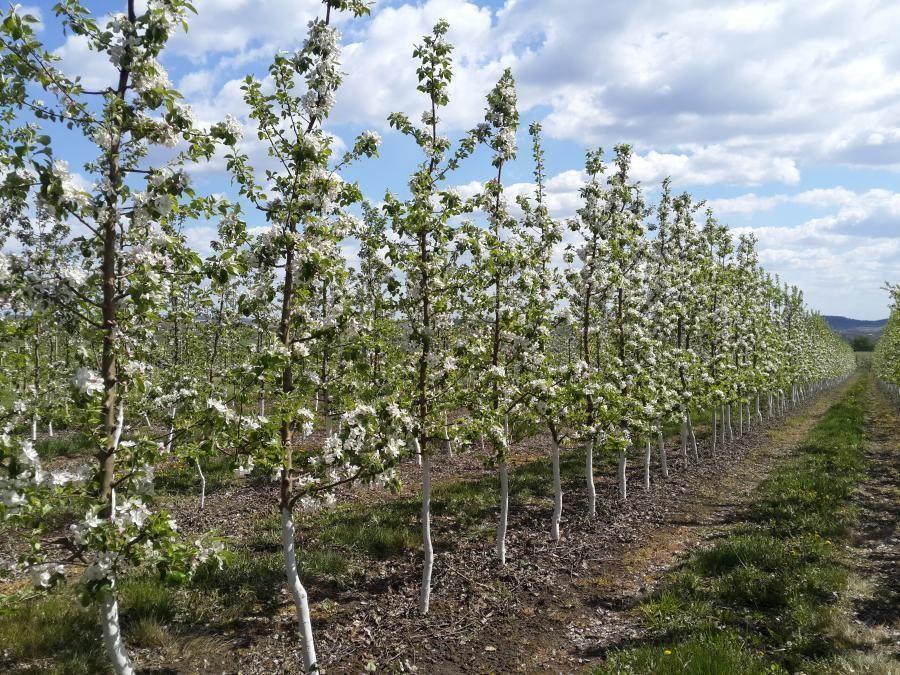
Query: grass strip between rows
[[767, 597]]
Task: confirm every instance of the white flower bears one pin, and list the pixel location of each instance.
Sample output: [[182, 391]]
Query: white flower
[[393, 448], [4, 266], [74, 276], [151, 76], [245, 468], [371, 137], [87, 381], [11, 499], [29, 454], [233, 127], [133, 512], [100, 569], [41, 574]]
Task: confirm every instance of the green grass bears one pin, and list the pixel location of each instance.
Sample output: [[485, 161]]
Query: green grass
[[69, 445], [51, 635], [764, 597], [181, 477]]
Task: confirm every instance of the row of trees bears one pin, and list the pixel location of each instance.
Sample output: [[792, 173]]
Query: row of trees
[[467, 324], [886, 359]]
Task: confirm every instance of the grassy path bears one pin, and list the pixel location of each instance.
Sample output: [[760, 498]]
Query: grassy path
[[783, 589]]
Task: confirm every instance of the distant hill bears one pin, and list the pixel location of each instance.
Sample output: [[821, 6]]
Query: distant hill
[[852, 327]]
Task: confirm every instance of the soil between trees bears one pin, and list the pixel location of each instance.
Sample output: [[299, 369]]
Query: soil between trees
[[553, 608]]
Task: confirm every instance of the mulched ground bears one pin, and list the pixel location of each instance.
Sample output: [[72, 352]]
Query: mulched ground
[[555, 607], [552, 608]]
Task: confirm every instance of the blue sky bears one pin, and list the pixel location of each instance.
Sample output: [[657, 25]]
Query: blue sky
[[784, 115]]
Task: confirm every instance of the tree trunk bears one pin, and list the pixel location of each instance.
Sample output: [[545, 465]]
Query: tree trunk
[[647, 453], [692, 437], [623, 479], [445, 441], [589, 475], [202, 484], [715, 430], [301, 599], [428, 550], [663, 461], [504, 510], [557, 493], [112, 634]]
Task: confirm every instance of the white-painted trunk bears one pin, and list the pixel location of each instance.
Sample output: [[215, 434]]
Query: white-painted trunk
[[663, 460], [50, 428], [202, 484], [740, 419], [557, 494], [147, 421], [715, 429], [428, 550], [112, 634], [589, 475], [728, 421], [623, 479], [749, 417], [170, 436], [504, 512], [298, 592], [33, 428], [262, 405], [759, 417], [448, 446], [648, 451], [722, 416], [684, 438], [692, 437]]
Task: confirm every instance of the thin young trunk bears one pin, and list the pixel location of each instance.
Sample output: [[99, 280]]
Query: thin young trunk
[[647, 453], [112, 634], [722, 416], [34, 428], [759, 417], [50, 428], [663, 460], [202, 484], [504, 510], [623, 479], [557, 492], [589, 476], [298, 592], [715, 430], [692, 436], [170, 435], [146, 420], [728, 421], [740, 419], [428, 550], [684, 438], [445, 441]]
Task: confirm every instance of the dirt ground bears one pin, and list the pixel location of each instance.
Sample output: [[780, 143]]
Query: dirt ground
[[554, 608]]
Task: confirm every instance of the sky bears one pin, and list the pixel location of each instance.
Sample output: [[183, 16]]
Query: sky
[[784, 116]]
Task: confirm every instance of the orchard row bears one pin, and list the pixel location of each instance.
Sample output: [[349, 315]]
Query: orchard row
[[468, 322]]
